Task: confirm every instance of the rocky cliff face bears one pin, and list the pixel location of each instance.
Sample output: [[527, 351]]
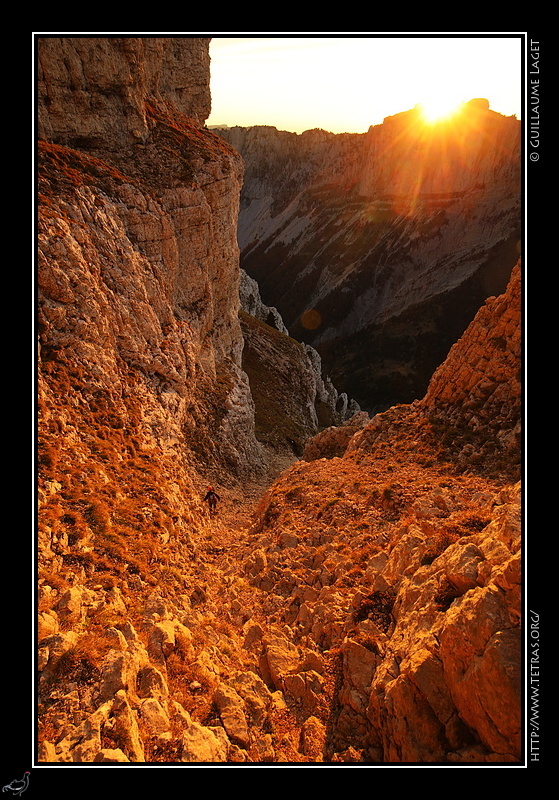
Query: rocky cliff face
[[140, 382], [360, 609], [138, 264], [141, 387], [379, 248], [302, 401], [92, 91], [402, 556]]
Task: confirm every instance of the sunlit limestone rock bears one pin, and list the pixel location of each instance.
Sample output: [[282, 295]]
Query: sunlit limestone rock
[[370, 612], [93, 90], [312, 738], [230, 706], [138, 261], [407, 562], [456, 636], [477, 391], [108, 756], [202, 744], [140, 380], [333, 441]]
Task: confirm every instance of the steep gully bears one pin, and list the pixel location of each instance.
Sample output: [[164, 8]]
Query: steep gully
[[282, 610], [363, 606]]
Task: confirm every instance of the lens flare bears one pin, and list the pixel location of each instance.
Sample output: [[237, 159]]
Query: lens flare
[[311, 319]]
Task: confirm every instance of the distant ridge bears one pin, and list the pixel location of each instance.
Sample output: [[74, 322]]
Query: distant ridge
[[392, 239]]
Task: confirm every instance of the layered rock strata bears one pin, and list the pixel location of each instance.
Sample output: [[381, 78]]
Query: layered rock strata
[[252, 304], [138, 270], [140, 381], [379, 248], [92, 90], [141, 391]]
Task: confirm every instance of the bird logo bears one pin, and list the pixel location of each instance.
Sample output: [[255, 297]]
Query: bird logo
[[17, 787]]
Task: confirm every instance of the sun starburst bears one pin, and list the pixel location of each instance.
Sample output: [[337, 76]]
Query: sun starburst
[[439, 109]]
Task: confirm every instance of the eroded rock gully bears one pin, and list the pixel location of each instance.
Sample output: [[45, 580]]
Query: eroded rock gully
[[360, 605], [364, 611], [361, 609]]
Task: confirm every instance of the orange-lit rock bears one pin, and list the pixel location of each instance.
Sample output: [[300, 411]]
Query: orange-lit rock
[[361, 607]]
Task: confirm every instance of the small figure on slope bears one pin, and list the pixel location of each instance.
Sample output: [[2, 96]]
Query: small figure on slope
[[211, 499]]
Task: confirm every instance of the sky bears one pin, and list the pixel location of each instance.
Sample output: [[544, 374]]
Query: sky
[[347, 82]]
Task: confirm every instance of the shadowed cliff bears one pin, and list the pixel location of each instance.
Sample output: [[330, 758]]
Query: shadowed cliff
[[379, 248]]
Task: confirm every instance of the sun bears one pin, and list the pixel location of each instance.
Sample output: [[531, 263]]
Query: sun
[[439, 109]]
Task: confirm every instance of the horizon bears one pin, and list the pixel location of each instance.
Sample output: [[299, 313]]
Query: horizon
[[346, 84]]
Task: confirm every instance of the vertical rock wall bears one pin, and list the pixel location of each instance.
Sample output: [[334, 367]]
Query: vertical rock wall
[[139, 340], [93, 89]]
